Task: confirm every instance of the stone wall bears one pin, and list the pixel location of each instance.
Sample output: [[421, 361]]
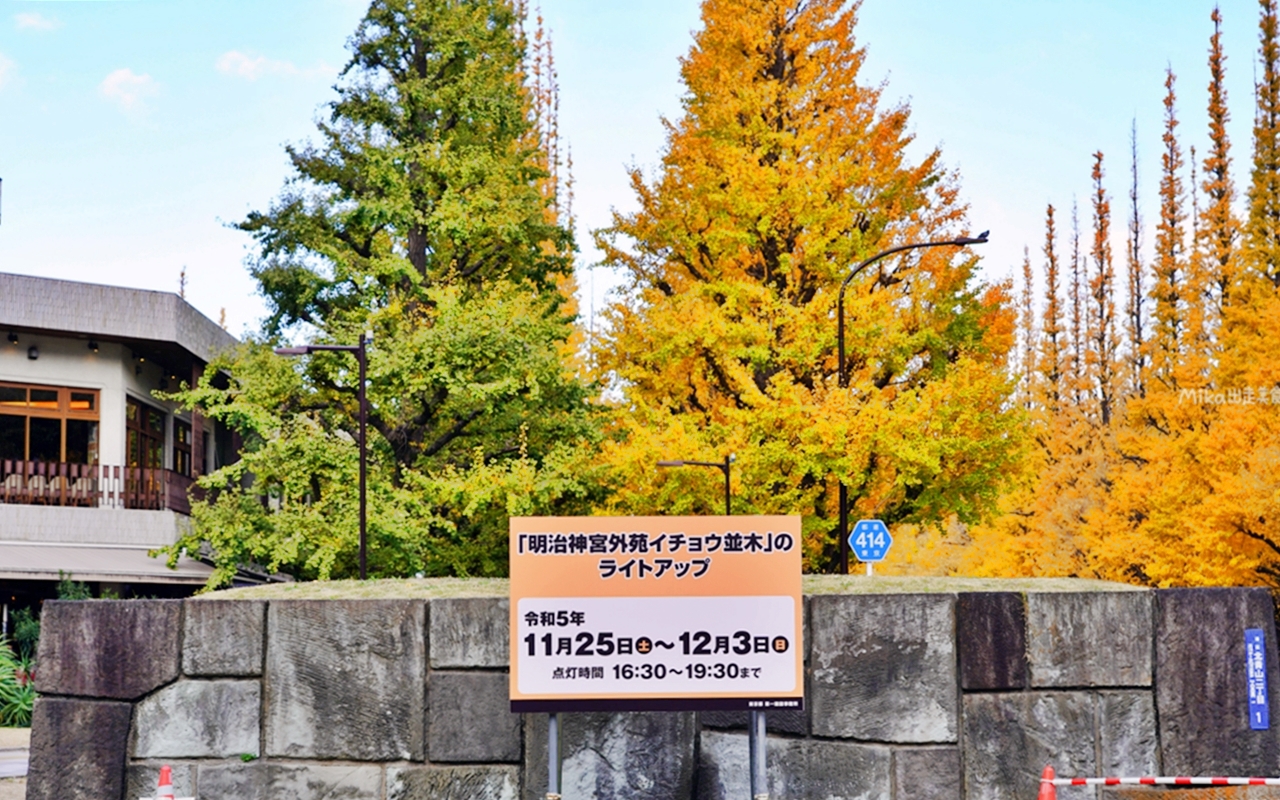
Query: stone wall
[[908, 697]]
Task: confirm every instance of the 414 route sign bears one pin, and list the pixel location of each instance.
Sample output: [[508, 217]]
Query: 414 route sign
[[870, 540]]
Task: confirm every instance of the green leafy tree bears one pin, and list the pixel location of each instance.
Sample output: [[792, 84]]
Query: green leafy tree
[[426, 213]]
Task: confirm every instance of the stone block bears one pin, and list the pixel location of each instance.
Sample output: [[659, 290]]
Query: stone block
[[783, 721], [1010, 737], [78, 749], [345, 679], [267, 781], [798, 769], [1089, 638], [1127, 743], [117, 649], [927, 773], [223, 637], [469, 718], [884, 667], [1201, 699], [199, 719], [469, 632], [141, 780], [991, 635], [625, 756], [453, 783]]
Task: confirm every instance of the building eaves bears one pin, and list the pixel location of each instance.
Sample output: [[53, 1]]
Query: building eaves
[[110, 312]]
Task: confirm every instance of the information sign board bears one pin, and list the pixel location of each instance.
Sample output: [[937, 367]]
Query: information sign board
[[1255, 659], [655, 613]]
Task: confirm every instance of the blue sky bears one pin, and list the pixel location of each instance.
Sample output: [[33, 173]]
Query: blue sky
[[132, 131]]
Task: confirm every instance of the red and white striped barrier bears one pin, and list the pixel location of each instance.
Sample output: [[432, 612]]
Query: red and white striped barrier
[[1049, 782], [1162, 780]]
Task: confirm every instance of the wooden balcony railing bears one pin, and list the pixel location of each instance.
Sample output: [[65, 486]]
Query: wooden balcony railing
[[93, 485]]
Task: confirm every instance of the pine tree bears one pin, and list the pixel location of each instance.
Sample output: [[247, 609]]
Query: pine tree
[[1103, 345], [783, 172], [1170, 255], [1027, 322], [1076, 360], [1052, 359], [1221, 232], [1263, 228], [426, 212], [1135, 322]]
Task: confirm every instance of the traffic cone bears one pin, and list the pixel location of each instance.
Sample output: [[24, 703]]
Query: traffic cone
[[1047, 790], [164, 791]]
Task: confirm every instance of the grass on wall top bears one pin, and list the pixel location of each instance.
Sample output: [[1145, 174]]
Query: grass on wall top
[[426, 588]]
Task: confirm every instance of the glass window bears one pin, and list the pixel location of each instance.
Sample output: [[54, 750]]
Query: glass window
[[145, 427], [44, 398], [13, 437], [35, 425], [46, 439], [82, 441], [182, 447]]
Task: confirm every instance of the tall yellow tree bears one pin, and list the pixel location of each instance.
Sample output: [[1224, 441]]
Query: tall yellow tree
[[784, 171]]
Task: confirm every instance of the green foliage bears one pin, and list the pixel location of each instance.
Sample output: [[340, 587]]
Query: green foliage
[[26, 632], [17, 688], [70, 589], [423, 215]]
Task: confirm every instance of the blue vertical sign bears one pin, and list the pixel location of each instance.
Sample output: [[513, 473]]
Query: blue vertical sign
[[1255, 659]]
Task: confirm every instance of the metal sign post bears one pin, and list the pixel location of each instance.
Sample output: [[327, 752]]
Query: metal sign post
[[756, 741], [656, 614], [870, 541], [553, 756]]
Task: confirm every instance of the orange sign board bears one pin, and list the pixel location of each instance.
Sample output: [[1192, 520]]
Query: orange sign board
[[656, 613]]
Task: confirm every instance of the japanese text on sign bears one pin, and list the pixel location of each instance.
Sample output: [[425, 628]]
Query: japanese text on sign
[[651, 613], [1255, 658]]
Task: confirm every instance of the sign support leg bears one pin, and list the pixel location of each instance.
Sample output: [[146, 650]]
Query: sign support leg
[[869, 568], [756, 746], [553, 757]]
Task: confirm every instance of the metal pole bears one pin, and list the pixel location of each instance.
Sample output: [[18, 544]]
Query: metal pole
[[360, 356], [842, 377], [553, 757], [728, 508], [759, 757]]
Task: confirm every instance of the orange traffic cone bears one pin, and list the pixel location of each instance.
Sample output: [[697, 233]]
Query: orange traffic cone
[[1047, 790], [165, 790]]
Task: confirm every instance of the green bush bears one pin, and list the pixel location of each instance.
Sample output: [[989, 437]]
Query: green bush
[[26, 633], [17, 688]]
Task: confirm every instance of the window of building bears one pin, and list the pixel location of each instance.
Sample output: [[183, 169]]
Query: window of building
[[145, 428], [48, 423], [182, 447]]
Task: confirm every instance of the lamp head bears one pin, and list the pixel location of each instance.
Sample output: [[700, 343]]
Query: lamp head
[[963, 241], [671, 463], [292, 351]]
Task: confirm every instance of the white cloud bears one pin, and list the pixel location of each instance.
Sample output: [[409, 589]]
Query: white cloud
[[31, 20], [242, 65], [128, 89], [6, 69]]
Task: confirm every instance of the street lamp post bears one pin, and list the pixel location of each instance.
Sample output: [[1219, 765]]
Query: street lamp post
[[723, 466], [361, 354], [843, 377]]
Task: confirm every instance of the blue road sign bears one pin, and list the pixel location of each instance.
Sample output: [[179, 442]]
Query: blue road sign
[[870, 540], [1255, 664]]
